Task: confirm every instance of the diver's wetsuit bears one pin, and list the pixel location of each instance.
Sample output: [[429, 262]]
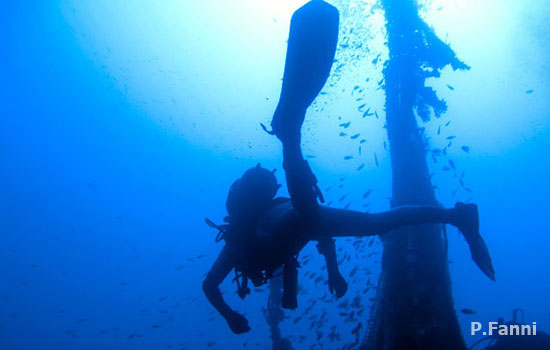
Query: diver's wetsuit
[[282, 232]]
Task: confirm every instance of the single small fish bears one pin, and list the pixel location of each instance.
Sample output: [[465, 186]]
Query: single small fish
[[451, 137], [355, 87], [468, 311], [450, 87], [465, 149], [353, 137], [361, 166], [439, 130], [366, 194], [342, 134], [447, 124], [345, 125], [375, 159], [362, 106], [348, 157], [530, 91], [376, 114], [342, 198], [452, 164], [362, 141]]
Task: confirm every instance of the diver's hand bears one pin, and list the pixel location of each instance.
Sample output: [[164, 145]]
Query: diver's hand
[[237, 322]]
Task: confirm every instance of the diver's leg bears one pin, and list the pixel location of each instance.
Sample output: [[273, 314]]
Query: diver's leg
[[311, 47], [336, 283], [301, 182], [339, 222]]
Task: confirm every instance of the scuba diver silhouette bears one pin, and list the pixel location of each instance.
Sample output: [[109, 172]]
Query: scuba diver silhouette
[[263, 233]]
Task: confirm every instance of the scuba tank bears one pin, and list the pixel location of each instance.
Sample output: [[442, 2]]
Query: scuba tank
[[249, 196]]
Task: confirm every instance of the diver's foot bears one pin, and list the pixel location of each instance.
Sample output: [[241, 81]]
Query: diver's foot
[[338, 285], [468, 223]]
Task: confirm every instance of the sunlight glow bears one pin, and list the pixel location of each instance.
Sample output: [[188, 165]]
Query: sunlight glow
[[211, 70]]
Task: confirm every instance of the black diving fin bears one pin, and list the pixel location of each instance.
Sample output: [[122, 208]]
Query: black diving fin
[[311, 48], [468, 217]]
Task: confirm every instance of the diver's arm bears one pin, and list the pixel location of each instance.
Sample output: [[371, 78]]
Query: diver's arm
[[219, 271]]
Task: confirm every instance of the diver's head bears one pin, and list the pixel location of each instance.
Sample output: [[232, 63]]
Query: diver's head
[[251, 193]]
